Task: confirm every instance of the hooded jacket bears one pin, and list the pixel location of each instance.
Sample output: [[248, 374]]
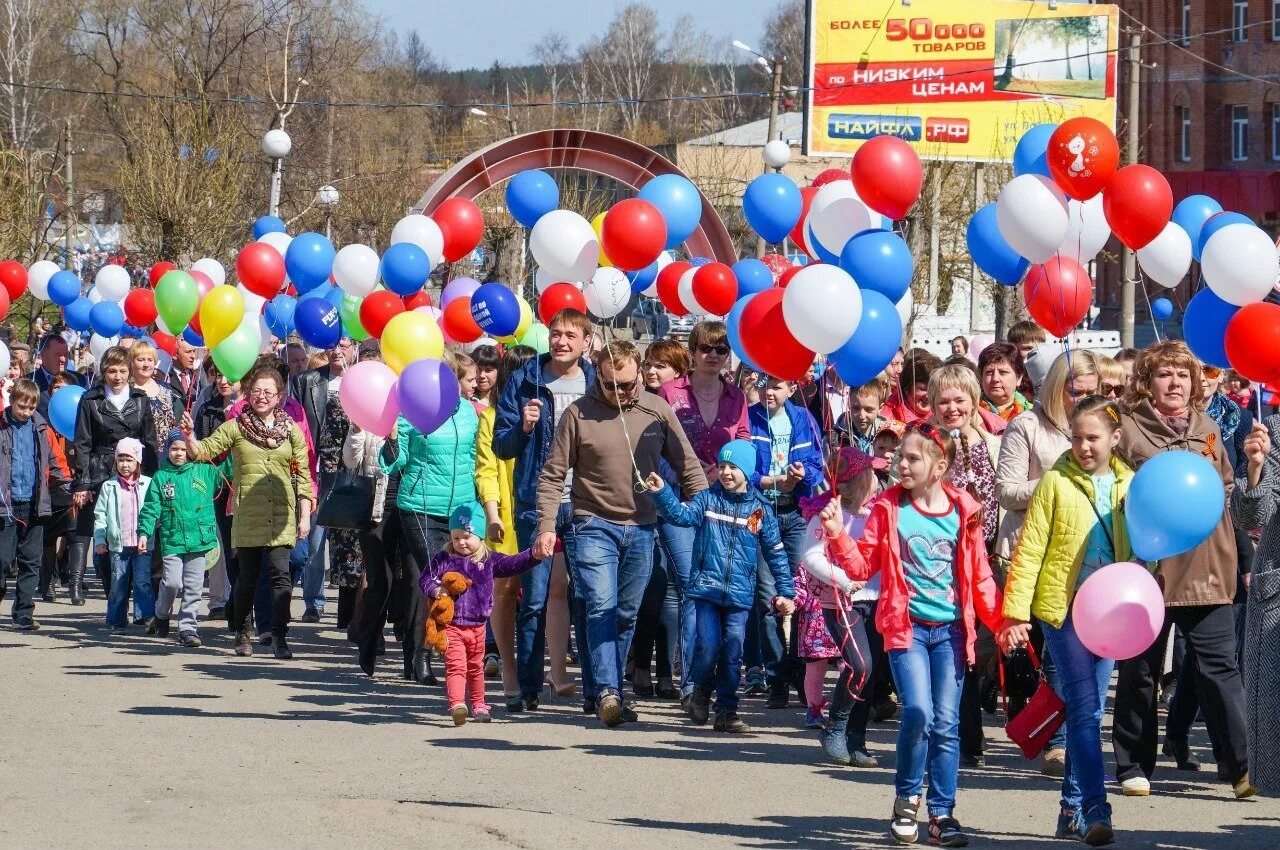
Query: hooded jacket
[[806, 446], [99, 426], [182, 498], [53, 475], [437, 470], [106, 512]]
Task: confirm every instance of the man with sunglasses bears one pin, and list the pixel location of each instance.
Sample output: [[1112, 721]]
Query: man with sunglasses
[[610, 440]]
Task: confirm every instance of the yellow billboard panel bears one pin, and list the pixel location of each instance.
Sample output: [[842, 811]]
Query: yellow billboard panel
[[958, 79]]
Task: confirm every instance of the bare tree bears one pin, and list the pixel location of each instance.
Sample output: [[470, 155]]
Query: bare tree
[[29, 32], [784, 38], [629, 54]]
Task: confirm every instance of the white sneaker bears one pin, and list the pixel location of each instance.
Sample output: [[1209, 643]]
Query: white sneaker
[[1136, 786], [904, 827]]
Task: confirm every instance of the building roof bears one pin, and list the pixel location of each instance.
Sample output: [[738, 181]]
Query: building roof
[[790, 128]]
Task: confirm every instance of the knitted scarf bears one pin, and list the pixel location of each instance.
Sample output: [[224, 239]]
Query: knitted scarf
[[257, 432]]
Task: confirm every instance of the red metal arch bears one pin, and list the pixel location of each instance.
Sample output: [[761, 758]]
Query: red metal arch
[[611, 156]]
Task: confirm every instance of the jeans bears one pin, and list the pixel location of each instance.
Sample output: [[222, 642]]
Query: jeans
[[859, 641], [313, 572], [929, 673], [766, 645], [609, 564], [253, 562], [128, 568], [531, 616], [183, 574], [22, 540], [677, 546], [718, 646], [1083, 679]]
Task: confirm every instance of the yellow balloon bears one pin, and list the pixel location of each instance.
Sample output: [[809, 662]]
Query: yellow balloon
[[597, 224], [526, 321], [221, 312], [411, 336]]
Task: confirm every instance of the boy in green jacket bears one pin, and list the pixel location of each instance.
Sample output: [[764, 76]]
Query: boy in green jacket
[[182, 494]]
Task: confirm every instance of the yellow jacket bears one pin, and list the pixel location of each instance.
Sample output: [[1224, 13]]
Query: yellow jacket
[[1051, 546], [495, 482]]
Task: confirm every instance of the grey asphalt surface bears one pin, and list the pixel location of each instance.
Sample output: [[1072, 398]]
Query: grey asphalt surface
[[132, 741]]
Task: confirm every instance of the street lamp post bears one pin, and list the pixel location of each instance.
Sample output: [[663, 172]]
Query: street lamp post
[[774, 68], [276, 144], [328, 196]]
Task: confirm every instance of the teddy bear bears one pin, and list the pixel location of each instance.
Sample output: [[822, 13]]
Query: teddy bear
[[452, 585]]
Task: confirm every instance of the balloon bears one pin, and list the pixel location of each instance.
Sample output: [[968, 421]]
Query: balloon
[[268, 224], [1175, 502], [428, 394], [831, 175], [887, 172], [416, 300], [732, 323], [1191, 213], [177, 298], [1161, 308], [4, 304], [1204, 327], [203, 284], [538, 337], [768, 341], [679, 202], [379, 308], [459, 287], [1240, 264], [317, 322], [1138, 204], [140, 307], [157, 271], [715, 288], [405, 268], [633, 234], [355, 268], [38, 277], [496, 310], [423, 232], [106, 318], [309, 261], [93, 295], [873, 344], [64, 404], [837, 215], [557, 297], [1031, 154], [1087, 230], [1167, 258], [597, 227], [807, 194], [564, 243], [1083, 155], [192, 338], [281, 242], [349, 313], [668, 286], [112, 283], [215, 270], [98, 345], [531, 195], [990, 252], [260, 268], [166, 342], [368, 395], [1118, 612], [752, 276], [822, 306], [235, 355], [645, 279], [1252, 341], [78, 314], [776, 263], [526, 322], [772, 206], [1211, 226], [458, 323], [279, 315], [64, 287], [791, 272], [607, 293], [685, 292], [1058, 295], [461, 227], [408, 337], [1031, 213], [221, 312], [879, 261]]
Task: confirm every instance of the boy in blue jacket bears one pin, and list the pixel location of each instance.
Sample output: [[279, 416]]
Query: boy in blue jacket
[[735, 525]]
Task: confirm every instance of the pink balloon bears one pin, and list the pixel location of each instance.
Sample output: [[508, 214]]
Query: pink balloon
[[978, 342], [368, 395], [1118, 611], [204, 283]]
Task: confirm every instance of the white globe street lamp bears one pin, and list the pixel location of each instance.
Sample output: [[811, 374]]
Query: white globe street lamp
[[276, 144]]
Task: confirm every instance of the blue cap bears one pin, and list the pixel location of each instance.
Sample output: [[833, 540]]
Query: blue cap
[[741, 454], [469, 516]]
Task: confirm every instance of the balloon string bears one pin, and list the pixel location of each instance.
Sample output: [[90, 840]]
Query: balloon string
[[1147, 297]]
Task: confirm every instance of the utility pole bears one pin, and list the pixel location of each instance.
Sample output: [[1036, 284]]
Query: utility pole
[[69, 224], [775, 100], [979, 191], [1129, 263]]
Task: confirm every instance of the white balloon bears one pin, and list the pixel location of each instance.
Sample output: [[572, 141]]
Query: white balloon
[[664, 259], [94, 295], [822, 307], [98, 345], [212, 268], [1087, 230], [684, 291], [468, 347], [38, 278], [1240, 264], [253, 302], [4, 358], [563, 243], [431, 310], [838, 214], [112, 283], [1031, 213], [543, 279], [607, 293], [1167, 258], [777, 153], [423, 232], [355, 268], [905, 305]]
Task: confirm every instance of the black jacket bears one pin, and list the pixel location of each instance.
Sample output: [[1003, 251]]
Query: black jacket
[[186, 400], [42, 378], [210, 412], [311, 390], [99, 427]]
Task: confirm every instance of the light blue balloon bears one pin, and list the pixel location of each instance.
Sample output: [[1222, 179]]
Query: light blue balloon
[[772, 205], [279, 315], [731, 323], [531, 195], [106, 318], [268, 224], [405, 268], [679, 202], [873, 344], [78, 314], [1191, 213], [309, 260], [1031, 154], [880, 261], [64, 404], [753, 276], [1175, 502]]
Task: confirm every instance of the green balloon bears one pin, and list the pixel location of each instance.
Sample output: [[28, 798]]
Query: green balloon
[[236, 354], [538, 337], [177, 298], [349, 310]]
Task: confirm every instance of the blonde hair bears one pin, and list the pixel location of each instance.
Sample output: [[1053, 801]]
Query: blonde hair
[[138, 349], [957, 377], [1073, 365], [1110, 371], [460, 363]]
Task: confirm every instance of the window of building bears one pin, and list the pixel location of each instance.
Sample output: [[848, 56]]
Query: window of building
[[1239, 133], [1240, 20], [1186, 22], [1275, 20], [1275, 132], [1182, 115]]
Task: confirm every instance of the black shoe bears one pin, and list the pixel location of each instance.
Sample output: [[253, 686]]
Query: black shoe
[[367, 658], [777, 700], [755, 689], [1180, 752], [666, 692], [266, 639], [588, 706], [244, 644], [49, 596], [729, 721], [311, 615], [629, 714], [884, 711], [972, 760], [27, 624], [515, 705], [143, 621], [160, 627], [280, 647], [190, 641], [217, 614], [699, 706], [381, 647], [946, 832]]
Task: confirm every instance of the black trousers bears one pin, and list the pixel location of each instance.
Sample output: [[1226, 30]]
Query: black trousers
[[21, 540], [253, 561], [1210, 633], [56, 526], [384, 574], [424, 536]]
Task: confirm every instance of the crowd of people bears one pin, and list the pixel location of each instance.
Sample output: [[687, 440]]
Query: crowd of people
[[689, 530]]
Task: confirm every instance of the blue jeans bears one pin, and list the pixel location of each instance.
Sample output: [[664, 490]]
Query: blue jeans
[[531, 615], [1083, 679], [929, 675], [128, 568], [766, 645], [720, 635], [610, 566], [677, 545], [313, 572]]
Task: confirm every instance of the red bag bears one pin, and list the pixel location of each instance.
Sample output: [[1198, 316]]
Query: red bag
[[1044, 713]]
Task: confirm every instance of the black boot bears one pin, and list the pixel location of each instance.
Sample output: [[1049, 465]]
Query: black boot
[[77, 553], [280, 647], [346, 607]]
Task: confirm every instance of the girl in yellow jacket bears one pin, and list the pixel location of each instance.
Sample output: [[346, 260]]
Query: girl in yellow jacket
[[1074, 526]]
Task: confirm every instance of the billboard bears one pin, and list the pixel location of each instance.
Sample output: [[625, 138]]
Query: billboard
[[958, 79]]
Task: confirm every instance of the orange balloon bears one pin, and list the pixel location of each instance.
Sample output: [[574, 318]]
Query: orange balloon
[[457, 323]]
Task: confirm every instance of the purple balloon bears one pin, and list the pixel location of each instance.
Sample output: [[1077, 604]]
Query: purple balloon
[[457, 288], [428, 392]]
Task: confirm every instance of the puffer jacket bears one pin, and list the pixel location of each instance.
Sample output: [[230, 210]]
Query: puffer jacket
[[733, 530], [806, 446], [360, 453], [495, 481], [99, 426], [1055, 534], [182, 499], [106, 513], [437, 470]]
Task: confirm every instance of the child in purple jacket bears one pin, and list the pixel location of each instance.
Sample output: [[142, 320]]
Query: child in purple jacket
[[464, 656]]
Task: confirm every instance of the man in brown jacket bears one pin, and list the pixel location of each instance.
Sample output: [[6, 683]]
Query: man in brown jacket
[[611, 439]]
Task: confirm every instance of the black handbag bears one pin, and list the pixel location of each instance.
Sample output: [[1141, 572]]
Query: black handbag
[[349, 503]]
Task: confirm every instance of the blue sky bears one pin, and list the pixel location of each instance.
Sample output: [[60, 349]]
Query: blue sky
[[474, 33]]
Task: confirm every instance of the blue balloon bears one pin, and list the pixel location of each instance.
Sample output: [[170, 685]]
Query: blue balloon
[[822, 254], [731, 322], [531, 195], [1162, 308], [279, 315], [333, 294], [318, 322], [1211, 226], [77, 314], [193, 338], [1191, 213], [405, 268], [699, 262], [753, 276], [879, 261], [64, 404], [495, 309], [873, 344], [268, 224], [106, 318], [1031, 154], [309, 260], [989, 250], [773, 206], [131, 331], [1175, 502], [644, 278], [679, 202], [64, 287], [1204, 327]]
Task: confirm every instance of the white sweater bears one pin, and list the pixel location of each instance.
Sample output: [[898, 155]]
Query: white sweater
[[833, 578], [1031, 446]]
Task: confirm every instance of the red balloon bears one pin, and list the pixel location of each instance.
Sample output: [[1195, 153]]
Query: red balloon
[[1058, 295], [414, 301], [806, 199], [14, 279], [204, 283], [831, 175], [457, 322], [158, 271], [888, 175], [165, 342], [140, 307], [4, 302], [557, 297], [194, 324], [1137, 204], [633, 234], [261, 269], [788, 273], [776, 263], [462, 224], [669, 287], [1252, 341], [377, 309], [1083, 155], [767, 341], [715, 288]]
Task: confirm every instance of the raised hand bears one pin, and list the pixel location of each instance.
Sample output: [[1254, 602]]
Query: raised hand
[[654, 482]]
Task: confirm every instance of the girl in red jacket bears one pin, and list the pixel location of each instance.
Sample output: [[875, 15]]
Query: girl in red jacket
[[924, 539]]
